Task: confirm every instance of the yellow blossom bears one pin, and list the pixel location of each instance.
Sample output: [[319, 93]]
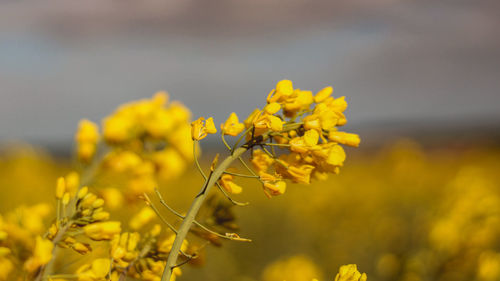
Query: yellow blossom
[[272, 108], [143, 217], [311, 137], [42, 254], [102, 230], [201, 128], [72, 181], [6, 267], [336, 156], [165, 245], [226, 181], [232, 126], [113, 198], [60, 187], [323, 94], [301, 173], [294, 268], [86, 138], [350, 273], [261, 161], [284, 88], [344, 138], [265, 122], [96, 271], [170, 163], [272, 185]]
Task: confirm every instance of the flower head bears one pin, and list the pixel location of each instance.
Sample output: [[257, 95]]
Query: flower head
[[200, 128], [232, 126]]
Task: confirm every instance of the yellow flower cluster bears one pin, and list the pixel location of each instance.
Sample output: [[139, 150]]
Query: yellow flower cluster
[[295, 137], [149, 140], [313, 148], [141, 258], [21, 241]]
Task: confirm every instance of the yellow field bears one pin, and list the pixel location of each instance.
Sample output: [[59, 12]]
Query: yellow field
[[399, 213]]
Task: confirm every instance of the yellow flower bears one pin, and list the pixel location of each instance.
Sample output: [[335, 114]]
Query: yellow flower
[[272, 185], [336, 156], [299, 100], [267, 121], [201, 128], [284, 88], [301, 173], [124, 248], [86, 138], [350, 273], [232, 127], [261, 161], [42, 254], [294, 268], [311, 137], [102, 230], [272, 108], [226, 181], [143, 217], [344, 138], [252, 117], [113, 198], [117, 129], [97, 271], [60, 187], [6, 267], [323, 94], [170, 163], [165, 245], [81, 248]]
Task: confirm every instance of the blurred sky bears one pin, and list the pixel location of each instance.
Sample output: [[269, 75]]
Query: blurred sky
[[399, 62]]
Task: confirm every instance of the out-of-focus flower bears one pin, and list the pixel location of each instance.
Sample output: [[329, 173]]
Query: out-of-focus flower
[[295, 268], [143, 217], [350, 273], [42, 254], [86, 138], [102, 230], [96, 271]]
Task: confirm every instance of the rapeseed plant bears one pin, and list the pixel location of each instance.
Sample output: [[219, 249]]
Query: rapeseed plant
[[294, 137]]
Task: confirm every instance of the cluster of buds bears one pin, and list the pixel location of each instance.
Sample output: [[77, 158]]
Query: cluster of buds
[[149, 140], [21, 240], [294, 137], [80, 211], [132, 255]]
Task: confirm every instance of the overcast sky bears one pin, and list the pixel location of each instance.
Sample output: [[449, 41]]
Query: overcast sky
[[395, 60]]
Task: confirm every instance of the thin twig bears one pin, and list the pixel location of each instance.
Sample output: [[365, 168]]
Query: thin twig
[[240, 175], [150, 203]]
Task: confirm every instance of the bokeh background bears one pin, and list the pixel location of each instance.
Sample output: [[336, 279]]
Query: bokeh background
[[417, 200]]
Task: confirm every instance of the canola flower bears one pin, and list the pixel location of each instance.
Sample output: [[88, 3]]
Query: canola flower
[[296, 130]]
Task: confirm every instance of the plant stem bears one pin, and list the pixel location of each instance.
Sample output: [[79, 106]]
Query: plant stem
[[198, 200], [193, 211]]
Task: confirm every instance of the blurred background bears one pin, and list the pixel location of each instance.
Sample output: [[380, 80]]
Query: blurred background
[[403, 65], [419, 200]]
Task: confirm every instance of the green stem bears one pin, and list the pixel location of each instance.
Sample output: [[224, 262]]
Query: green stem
[[193, 210], [200, 198]]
